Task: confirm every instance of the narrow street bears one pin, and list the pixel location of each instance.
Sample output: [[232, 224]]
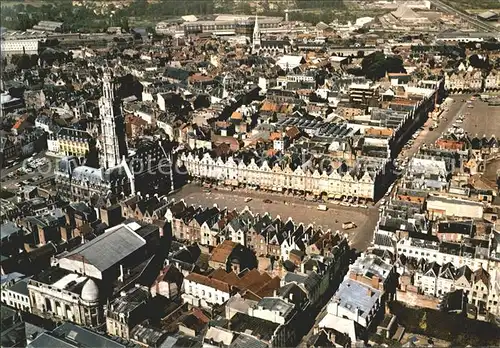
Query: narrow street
[[426, 137]]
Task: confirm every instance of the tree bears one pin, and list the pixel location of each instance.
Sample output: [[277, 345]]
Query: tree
[[201, 101], [124, 24], [23, 61], [376, 65], [479, 63], [423, 322]]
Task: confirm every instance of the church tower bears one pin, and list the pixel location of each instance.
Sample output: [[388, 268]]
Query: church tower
[[113, 141], [256, 36]]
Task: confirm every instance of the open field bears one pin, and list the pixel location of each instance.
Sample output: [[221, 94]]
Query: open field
[[286, 206]]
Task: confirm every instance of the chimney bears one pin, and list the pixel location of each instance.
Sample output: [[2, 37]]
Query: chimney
[[375, 282], [369, 292], [353, 276], [120, 278]]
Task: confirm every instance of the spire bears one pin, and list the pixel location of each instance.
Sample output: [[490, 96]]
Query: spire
[[256, 35]]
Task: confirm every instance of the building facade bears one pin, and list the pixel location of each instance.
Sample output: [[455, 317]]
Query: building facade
[[69, 142], [277, 179], [61, 295]]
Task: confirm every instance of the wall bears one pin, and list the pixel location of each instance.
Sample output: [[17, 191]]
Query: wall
[[16, 300]]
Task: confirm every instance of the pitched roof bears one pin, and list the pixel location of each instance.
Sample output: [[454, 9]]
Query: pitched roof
[[222, 251], [404, 12], [108, 249], [483, 275], [210, 282]]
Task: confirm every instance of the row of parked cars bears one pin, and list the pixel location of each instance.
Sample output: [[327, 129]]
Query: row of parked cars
[[28, 167]]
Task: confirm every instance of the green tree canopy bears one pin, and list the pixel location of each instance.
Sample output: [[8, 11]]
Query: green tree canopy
[[376, 65]]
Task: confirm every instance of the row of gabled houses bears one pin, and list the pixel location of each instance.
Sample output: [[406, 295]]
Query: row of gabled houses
[[211, 226], [472, 81], [436, 280], [356, 182]]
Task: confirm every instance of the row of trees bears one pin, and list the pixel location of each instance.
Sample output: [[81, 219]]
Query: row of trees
[[22, 17], [84, 18]]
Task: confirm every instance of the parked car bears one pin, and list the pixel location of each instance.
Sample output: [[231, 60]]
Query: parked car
[[322, 207], [267, 201], [348, 225]]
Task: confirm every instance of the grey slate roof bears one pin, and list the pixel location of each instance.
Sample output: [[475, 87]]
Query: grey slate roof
[[352, 295], [21, 287], [69, 335], [8, 228], [10, 277], [276, 304], [109, 248], [246, 341], [294, 277]]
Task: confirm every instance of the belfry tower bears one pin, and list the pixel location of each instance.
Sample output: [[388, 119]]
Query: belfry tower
[[113, 139]]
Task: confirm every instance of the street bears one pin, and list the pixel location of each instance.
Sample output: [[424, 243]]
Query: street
[[446, 120]]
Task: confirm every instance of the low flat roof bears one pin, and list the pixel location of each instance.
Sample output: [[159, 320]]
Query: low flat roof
[[353, 295]]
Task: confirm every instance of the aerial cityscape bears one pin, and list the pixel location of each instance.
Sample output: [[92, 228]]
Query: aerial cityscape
[[238, 173]]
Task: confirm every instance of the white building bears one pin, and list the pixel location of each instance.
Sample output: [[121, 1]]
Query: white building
[[205, 291], [53, 145], [56, 293], [273, 309], [288, 62], [356, 301], [436, 280], [492, 81], [443, 206], [277, 179], [429, 251], [11, 47], [17, 296]]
